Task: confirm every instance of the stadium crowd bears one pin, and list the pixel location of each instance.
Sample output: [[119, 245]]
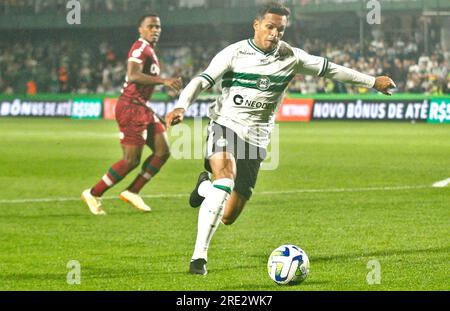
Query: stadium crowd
[[116, 6], [67, 66], [412, 70]]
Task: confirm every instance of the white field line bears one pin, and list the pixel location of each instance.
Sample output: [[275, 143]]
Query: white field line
[[442, 183], [175, 195]]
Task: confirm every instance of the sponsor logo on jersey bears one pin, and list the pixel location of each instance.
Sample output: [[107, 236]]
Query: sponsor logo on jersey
[[247, 53], [263, 83], [239, 100]]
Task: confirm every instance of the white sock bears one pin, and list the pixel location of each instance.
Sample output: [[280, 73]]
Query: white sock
[[204, 188], [210, 215]]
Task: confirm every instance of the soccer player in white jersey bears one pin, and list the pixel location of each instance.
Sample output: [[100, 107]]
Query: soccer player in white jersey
[[254, 74]]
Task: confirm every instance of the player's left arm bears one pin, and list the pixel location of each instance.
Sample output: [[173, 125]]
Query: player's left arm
[[320, 66], [383, 84]]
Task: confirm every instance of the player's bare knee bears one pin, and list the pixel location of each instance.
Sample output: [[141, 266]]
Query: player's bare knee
[[132, 163], [225, 172], [164, 155]]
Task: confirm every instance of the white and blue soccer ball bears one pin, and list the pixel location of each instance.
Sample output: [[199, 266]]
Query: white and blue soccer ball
[[288, 264]]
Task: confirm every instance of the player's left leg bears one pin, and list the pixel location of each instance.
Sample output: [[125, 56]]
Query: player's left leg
[[159, 143], [247, 173]]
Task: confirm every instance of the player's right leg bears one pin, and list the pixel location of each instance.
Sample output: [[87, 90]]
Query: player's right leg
[[93, 202], [118, 171], [223, 166], [132, 142]]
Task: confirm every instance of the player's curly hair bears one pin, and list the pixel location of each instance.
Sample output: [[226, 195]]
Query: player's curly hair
[[274, 8]]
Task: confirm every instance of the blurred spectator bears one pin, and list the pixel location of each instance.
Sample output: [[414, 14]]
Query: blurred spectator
[[31, 88]]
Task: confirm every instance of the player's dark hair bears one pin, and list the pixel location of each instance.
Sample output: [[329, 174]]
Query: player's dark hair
[[143, 17], [274, 8]]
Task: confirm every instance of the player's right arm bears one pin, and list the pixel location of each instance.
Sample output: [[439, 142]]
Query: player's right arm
[[220, 64], [135, 75], [187, 96]]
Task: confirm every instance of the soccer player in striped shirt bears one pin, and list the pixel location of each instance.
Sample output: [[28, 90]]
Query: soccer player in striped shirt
[[138, 124], [254, 74]]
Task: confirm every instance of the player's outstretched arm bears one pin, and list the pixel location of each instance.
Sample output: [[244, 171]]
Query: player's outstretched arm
[[320, 66], [187, 97], [384, 85]]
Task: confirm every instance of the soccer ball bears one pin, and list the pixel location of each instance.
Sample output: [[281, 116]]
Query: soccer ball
[[288, 264]]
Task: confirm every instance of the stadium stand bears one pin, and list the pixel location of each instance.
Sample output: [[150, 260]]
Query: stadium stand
[[62, 62], [69, 67]]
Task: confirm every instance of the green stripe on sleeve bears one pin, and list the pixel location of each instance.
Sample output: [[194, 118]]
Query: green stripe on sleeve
[[208, 78], [324, 67]]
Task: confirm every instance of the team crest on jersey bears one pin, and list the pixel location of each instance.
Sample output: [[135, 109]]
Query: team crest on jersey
[[263, 83]]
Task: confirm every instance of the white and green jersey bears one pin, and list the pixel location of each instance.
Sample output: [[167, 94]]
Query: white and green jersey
[[254, 82]]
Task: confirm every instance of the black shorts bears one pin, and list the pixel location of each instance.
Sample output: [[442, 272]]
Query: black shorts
[[248, 157]]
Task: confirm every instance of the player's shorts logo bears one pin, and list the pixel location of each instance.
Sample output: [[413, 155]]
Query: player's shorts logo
[[221, 142], [263, 83]]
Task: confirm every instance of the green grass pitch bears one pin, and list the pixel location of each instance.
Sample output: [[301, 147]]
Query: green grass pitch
[[346, 192]]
